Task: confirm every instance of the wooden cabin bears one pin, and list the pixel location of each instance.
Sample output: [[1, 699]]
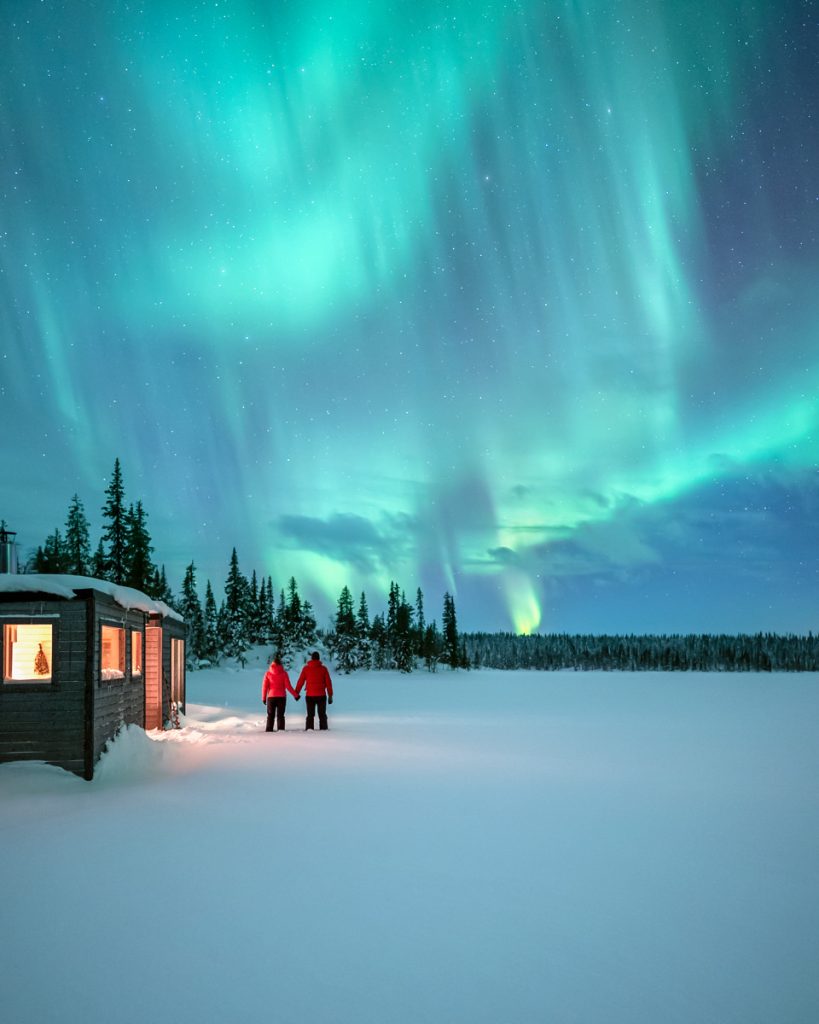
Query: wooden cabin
[[80, 658]]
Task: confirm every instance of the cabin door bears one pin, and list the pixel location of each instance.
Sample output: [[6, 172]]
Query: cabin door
[[153, 677]]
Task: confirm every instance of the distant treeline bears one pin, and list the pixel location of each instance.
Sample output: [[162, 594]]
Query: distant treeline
[[705, 652]]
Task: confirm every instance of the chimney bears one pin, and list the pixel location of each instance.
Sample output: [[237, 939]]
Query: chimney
[[8, 550]]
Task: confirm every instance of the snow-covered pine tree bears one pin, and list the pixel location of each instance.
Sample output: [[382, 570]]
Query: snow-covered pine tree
[[393, 600], [160, 588], [210, 649], [420, 625], [403, 639], [191, 610], [281, 639], [261, 623], [381, 655], [292, 612], [252, 610], [115, 532], [343, 641], [139, 569], [433, 646], [452, 647], [77, 540], [235, 639], [98, 562], [270, 618], [52, 556], [300, 624], [362, 634], [307, 633]]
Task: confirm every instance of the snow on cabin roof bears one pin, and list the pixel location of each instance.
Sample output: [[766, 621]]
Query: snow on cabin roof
[[67, 586]]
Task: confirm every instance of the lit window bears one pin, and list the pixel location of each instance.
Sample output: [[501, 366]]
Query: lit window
[[27, 652], [136, 653], [112, 664]]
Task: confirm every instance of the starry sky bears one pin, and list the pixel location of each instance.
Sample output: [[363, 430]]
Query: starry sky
[[518, 300]]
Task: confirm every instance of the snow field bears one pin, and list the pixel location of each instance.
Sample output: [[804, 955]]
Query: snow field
[[569, 848]]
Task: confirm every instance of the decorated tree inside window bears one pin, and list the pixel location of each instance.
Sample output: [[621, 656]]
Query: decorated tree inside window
[[41, 662]]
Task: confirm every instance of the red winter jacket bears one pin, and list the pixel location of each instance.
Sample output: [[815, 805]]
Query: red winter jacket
[[276, 682], [317, 678]]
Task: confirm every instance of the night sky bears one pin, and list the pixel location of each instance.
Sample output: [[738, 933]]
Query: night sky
[[518, 300]]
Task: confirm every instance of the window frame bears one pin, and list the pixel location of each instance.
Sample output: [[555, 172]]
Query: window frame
[[34, 683], [112, 680], [138, 673]]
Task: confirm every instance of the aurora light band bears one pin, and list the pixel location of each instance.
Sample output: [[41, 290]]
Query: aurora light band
[[512, 299]]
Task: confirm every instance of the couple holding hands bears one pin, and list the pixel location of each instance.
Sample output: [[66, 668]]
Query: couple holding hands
[[314, 676]]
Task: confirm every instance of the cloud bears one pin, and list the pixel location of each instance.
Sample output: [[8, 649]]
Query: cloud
[[739, 526], [504, 556], [351, 539]]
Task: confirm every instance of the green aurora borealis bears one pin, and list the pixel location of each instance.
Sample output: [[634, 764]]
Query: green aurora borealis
[[515, 299]]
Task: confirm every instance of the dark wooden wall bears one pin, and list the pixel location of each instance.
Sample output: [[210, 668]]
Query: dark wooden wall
[[46, 721], [117, 702]]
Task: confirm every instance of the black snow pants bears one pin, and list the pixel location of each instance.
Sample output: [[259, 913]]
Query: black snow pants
[[316, 704], [275, 709]]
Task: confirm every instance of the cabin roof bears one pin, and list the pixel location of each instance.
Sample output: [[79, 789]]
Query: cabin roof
[[68, 586]]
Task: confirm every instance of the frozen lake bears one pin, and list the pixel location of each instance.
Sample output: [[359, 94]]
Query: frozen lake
[[569, 848]]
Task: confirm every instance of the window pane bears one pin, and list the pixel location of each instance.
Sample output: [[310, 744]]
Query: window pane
[[136, 653], [28, 652], [113, 652]]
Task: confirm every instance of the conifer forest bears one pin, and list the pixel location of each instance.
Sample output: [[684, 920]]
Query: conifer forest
[[251, 612]]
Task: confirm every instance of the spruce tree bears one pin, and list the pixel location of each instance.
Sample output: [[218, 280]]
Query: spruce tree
[[115, 532], [299, 623], [451, 652], [210, 648], [235, 588], [52, 556], [342, 641], [270, 619], [160, 588], [261, 626], [362, 633], [98, 565], [393, 601], [223, 635], [77, 542], [235, 637], [139, 569], [402, 639], [282, 641], [293, 609], [379, 643], [420, 624], [191, 610], [252, 610], [307, 634], [432, 646]]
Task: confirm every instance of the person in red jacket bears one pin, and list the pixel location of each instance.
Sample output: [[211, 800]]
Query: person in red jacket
[[316, 678], [274, 693]]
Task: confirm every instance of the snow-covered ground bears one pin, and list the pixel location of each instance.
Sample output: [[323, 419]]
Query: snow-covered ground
[[495, 847]]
